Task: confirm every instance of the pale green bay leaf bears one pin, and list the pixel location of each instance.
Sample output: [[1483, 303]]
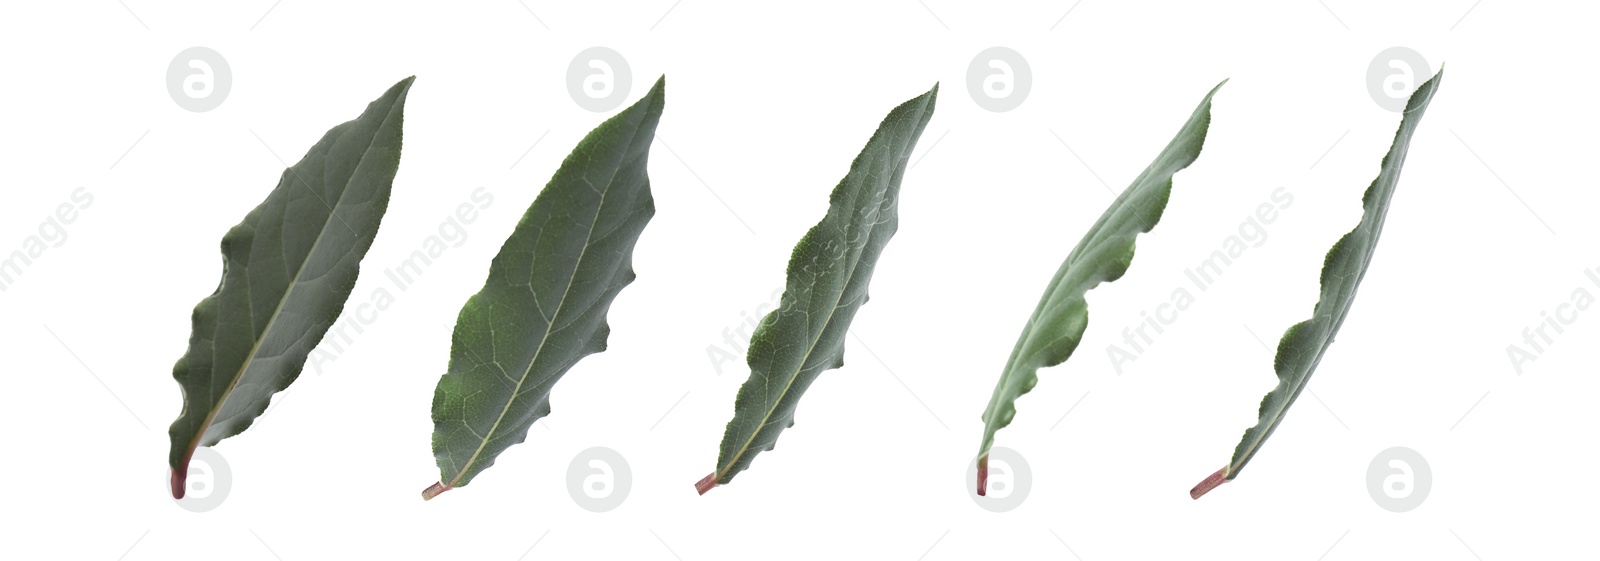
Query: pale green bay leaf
[[1304, 344], [1103, 255], [827, 280], [543, 307], [288, 269]]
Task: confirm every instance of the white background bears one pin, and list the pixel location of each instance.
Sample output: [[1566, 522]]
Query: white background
[[766, 106]]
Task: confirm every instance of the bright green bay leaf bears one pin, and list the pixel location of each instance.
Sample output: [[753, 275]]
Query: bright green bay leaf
[[1103, 255], [543, 307], [827, 282], [288, 269], [1303, 344]]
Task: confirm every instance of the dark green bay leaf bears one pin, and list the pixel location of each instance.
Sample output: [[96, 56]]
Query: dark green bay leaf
[[827, 282], [1303, 344], [288, 269], [543, 307], [1103, 255]]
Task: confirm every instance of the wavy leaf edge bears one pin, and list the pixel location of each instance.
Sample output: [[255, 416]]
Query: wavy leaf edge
[[921, 108], [632, 212], [206, 318]]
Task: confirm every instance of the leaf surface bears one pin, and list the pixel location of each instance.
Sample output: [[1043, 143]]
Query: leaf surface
[[288, 269], [1303, 344], [543, 307], [1103, 255], [827, 280]]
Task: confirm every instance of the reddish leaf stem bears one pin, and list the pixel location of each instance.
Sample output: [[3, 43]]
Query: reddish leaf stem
[[707, 483], [1210, 482], [179, 483], [983, 475], [435, 490]]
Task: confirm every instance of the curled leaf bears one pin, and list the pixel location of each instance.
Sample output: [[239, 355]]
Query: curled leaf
[[1303, 344], [1103, 255]]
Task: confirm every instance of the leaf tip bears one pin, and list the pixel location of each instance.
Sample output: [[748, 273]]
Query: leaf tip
[[435, 490], [983, 474], [1210, 482], [659, 88], [706, 483], [1214, 90]]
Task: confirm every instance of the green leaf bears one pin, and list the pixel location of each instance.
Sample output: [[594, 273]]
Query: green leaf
[[287, 270], [1303, 345], [827, 282], [1105, 252], [543, 307]]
